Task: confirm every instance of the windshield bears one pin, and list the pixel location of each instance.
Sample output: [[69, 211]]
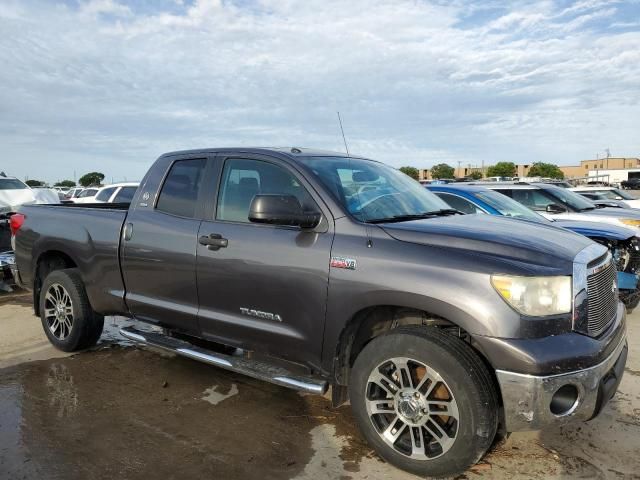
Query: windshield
[[372, 191], [11, 184], [509, 207], [570, 199]]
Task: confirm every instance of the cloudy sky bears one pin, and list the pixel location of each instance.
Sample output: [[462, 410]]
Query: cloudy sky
[[109, 85]]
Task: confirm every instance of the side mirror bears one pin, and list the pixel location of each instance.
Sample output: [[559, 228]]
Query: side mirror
[[276, 209], [555, 208]]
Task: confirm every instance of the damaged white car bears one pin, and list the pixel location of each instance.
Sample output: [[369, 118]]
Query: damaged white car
[[14, 193]]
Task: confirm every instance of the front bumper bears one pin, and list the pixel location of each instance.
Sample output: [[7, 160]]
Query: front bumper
[[528, 398]]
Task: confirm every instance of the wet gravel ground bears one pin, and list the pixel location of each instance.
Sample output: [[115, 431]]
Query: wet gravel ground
[[121, 412]]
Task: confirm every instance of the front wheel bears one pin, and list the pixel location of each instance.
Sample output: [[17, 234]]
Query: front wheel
[[424, 400], [67, 317]]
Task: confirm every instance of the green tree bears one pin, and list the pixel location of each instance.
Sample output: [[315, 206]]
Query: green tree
[[502, 169], [91, 178], [411, 171], [545, 170], [34, 183], [65, 183], [475, 175], [442, 170]]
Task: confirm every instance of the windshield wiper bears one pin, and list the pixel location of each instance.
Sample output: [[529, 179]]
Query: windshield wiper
[[417, 216]]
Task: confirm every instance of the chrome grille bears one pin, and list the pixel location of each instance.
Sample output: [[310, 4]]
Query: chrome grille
[[602, 296]]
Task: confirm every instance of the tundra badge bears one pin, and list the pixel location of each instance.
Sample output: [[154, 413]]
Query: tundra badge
[[258, 314]]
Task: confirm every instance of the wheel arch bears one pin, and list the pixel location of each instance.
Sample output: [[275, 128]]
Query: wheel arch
[[47, 262], [372, 321]]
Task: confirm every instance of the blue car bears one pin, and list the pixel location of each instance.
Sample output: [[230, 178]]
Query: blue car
[[621, 242]]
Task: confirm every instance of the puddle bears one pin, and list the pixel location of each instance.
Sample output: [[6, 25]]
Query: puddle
[[141, 415], [15, 459], [214, 397], [62, 395]]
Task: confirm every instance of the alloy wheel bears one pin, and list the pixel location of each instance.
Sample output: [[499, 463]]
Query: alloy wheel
[[58, 311], [412, 408]]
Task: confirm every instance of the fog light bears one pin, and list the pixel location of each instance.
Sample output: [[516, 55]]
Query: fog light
[[564, 400]]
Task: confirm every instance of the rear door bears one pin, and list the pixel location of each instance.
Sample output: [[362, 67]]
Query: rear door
[[266, 290], [159, 253]]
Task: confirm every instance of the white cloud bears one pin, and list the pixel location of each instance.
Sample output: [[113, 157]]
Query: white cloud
[[105, 85], [108, 7]]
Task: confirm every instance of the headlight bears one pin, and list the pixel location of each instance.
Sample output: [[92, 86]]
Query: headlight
[[632, 222], [535, 296]]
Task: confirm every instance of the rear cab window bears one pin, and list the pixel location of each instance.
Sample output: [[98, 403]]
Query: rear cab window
[[179, 193]]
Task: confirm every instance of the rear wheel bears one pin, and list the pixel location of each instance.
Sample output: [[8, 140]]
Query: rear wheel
[[67, 317], [424, 400]]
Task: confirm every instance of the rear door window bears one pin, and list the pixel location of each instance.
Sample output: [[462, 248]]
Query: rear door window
[[179, 194], [105, 194], [459, 203], [125, 195], [533, 198], [89, 192]]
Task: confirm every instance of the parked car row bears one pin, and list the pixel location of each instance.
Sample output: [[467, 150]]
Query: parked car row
[[114, 193], [314, 269]]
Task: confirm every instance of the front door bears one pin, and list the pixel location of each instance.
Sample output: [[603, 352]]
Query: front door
[[263, 287], [159, 256]]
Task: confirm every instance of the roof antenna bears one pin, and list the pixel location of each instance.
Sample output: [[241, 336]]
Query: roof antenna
[[343, 137], [367, 226]]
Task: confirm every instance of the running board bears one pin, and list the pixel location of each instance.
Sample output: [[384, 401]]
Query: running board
[[251, 368]]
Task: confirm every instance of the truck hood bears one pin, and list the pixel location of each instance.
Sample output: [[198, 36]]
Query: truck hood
[[494, 235], [596, 229]]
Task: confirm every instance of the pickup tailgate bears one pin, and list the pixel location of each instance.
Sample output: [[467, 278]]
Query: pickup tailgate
[[84, 237]]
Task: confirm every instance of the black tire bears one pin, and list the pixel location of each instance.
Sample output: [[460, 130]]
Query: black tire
[[464, 375], [631, 306], [83, 327]]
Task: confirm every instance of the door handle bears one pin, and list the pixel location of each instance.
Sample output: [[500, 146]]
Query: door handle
[[128, 231], [213, 241]]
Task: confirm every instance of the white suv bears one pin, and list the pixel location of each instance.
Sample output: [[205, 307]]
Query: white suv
[[116, 193]]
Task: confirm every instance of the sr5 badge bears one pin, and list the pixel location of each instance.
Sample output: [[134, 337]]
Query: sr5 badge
[[343, 262]]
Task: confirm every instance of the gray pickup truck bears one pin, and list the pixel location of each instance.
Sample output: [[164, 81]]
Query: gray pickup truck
[[314, 269]]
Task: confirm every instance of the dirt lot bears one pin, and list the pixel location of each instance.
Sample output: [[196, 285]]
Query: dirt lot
[[121, 412]]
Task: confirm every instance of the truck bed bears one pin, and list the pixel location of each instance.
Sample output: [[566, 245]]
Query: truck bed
[[87, 236]]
